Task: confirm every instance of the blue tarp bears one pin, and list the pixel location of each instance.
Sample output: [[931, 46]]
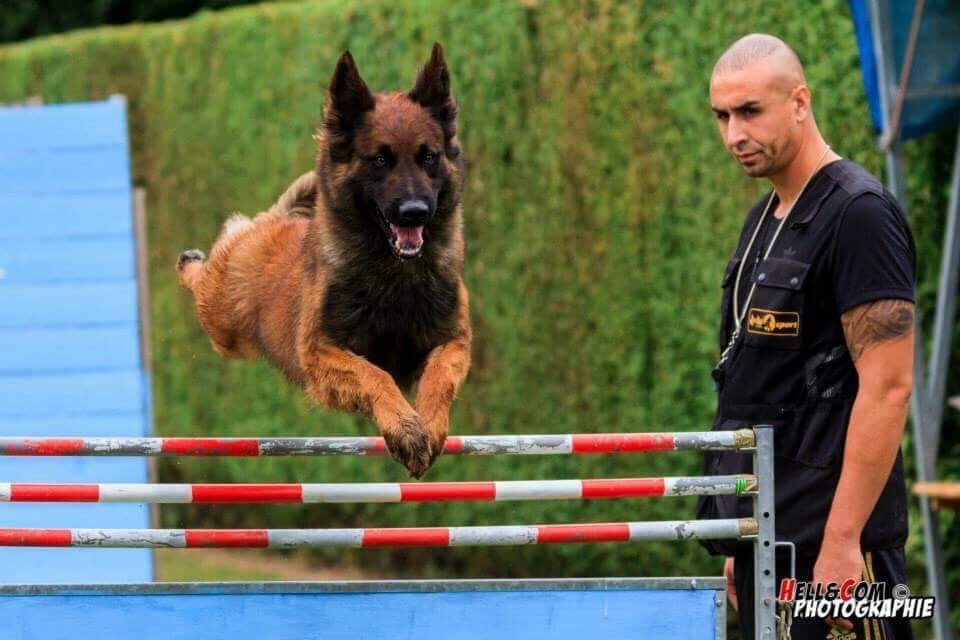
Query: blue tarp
[[936, 66]]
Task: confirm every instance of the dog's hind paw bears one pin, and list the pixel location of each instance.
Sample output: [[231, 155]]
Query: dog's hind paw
[[190, 255], [409, 444]]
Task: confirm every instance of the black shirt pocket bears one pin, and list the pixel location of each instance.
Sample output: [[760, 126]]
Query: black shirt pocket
[[775, 316]]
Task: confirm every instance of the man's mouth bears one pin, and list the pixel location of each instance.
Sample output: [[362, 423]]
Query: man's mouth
[[407, 241], [747, 157]]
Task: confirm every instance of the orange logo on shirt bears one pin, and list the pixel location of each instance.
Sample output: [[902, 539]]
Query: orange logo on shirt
[[773, 323]]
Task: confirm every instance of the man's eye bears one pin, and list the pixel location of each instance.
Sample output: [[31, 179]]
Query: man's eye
[[721, 116]]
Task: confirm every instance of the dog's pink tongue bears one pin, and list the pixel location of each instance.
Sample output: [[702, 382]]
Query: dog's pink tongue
[[408, 238]]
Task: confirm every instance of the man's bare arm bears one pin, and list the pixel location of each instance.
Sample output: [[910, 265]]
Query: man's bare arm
[[879, 336], [875, 323]]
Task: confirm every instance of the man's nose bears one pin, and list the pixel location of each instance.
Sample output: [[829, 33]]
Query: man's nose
[[413, 211], [736, 134]]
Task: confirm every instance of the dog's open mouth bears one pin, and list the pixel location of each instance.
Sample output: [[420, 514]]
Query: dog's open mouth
[[407, 241]]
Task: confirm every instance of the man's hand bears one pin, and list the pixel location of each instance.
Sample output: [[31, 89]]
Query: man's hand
[[731, 584], [839, 560]]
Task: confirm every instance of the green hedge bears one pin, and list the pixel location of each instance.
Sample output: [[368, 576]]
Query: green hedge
[[600, 207]]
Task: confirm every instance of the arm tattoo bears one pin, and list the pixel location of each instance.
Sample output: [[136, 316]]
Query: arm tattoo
[[874, 322]]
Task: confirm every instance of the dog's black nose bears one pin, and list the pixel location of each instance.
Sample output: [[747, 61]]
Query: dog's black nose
[[413, 212]]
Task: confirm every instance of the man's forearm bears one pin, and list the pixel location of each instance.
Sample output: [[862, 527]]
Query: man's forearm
[[873, 439], [879, 338]]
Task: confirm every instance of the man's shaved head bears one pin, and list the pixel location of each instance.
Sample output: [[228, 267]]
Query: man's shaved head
[[762, 103], [775, 54]]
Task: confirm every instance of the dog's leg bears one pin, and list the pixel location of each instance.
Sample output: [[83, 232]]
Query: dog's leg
[[444, 372], [340, 379], [190, 268]]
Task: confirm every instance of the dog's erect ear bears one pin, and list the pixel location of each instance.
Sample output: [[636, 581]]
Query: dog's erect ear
[[348, 99], [432, 91]]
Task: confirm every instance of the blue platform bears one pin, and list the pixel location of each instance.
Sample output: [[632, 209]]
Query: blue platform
[[70, 354], [606, 608]]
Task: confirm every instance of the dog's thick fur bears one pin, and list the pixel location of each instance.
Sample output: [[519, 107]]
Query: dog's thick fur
[[331, 285]]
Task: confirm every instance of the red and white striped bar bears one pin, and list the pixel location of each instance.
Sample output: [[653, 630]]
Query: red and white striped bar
[[368, 538], [579, 443], [381, 492]]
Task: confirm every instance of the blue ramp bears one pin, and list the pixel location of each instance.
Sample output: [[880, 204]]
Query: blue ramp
[[601, 608], [70, 357]]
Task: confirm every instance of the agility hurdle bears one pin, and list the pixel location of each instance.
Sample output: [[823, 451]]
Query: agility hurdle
[[567, 444], [469, 609]]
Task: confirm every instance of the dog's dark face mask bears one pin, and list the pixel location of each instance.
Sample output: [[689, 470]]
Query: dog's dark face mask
[[397, 151]]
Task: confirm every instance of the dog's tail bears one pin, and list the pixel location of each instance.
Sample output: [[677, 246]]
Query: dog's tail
[[190, 267], [299, 199]]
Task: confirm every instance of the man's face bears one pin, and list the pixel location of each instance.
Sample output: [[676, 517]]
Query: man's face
[[757, 118]]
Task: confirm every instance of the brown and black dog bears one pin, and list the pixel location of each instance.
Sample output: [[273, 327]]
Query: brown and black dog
[[351, 284]]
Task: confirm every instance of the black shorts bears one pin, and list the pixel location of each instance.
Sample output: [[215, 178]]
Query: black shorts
[[886, 565]]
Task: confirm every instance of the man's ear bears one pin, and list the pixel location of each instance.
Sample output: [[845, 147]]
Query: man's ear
[[800, 98], [348, 99]]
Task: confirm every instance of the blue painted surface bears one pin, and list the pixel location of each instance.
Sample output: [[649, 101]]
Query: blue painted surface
[[528, 615], [66, 394], [55, 215], [83, 169], [79, 124], [113, 424], [60, 350], [50, 261], [70, 361], [68, 304]]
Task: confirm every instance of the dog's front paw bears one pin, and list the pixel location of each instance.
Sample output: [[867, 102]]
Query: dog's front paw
[[437, 429], [409, 444]]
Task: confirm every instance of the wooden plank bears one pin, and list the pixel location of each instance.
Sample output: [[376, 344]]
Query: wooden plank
[[116, 423], [655, 614], [77, 124], [68, 305], [941, 494], [82, 169], [102, 258], [31, 351], [51, 215], [68, 394]]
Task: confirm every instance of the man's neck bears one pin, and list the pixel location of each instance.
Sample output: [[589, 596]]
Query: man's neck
[[790, 182]]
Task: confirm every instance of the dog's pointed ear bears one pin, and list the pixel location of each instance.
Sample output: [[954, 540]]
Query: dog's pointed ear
[[432, 91], [347, 101]]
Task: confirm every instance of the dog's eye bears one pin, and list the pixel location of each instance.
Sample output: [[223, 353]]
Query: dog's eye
[[429, 158], [380, 160]]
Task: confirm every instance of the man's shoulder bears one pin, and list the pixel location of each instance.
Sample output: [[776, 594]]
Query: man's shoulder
[[852, 179], [858, 197]]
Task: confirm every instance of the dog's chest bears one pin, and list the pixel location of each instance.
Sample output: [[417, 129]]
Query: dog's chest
[[392, 320]]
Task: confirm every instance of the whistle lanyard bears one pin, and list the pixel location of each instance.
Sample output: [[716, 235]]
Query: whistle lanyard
[[738, 313]]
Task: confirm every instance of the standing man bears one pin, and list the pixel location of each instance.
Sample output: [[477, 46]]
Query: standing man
[[817, 340]]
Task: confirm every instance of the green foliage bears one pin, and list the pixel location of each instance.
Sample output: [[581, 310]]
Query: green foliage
[[600, 208], [22, 19]]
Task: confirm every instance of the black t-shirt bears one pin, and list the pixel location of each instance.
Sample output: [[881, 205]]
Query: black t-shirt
[[873, 257], [845, 243]]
